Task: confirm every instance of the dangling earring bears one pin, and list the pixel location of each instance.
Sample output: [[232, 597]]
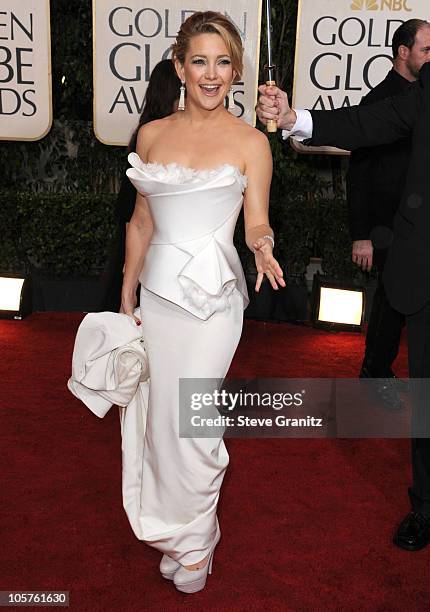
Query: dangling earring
[[181, 105], [230, 99]]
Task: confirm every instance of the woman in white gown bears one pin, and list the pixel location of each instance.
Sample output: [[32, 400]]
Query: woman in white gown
[[192, 171]]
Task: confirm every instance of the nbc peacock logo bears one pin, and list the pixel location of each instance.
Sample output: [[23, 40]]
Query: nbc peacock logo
[[364, 5], [381, 5]]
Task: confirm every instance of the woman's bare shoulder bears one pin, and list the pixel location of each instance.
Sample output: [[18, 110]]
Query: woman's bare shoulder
[[249, 134], [156, 126], [253, 142], [150, 131]]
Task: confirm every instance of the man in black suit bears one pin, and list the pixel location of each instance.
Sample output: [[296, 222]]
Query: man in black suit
[[407, 270], [375, 183]]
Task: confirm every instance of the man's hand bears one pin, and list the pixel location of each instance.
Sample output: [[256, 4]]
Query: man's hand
[[362, 254], [273, 104]]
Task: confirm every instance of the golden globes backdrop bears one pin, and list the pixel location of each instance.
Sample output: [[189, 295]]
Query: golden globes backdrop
[[130, 37], [343, 50], [25, 70]]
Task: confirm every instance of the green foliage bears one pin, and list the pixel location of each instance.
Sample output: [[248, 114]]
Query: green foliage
[[71, 32], [68, 159], [60, 235], [295, 194], [334, 240]]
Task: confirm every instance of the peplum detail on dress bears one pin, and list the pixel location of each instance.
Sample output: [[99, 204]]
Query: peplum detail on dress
[[191, 260], [208, 292]]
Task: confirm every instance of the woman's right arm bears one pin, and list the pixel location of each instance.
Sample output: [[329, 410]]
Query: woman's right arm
[[139, 234], [138, 238]]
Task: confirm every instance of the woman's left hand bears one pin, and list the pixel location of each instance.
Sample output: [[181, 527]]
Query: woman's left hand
[[267, 265]]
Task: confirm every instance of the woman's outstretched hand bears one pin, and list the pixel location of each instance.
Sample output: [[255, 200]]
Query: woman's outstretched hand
[[267, 265], [128, 305]]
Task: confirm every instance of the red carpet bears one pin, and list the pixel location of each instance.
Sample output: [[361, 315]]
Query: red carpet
[[306, 524]]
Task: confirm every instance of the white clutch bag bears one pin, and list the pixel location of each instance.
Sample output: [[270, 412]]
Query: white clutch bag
[[109, 361]]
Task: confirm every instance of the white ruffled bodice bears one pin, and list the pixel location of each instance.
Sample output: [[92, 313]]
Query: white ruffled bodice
[[192, 261], [175, 174]]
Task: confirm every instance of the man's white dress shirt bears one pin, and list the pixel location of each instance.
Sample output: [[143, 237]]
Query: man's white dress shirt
[[303, 127]]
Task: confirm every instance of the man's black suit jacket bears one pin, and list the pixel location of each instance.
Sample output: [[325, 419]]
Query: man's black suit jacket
[[407, 270], [376, 176]]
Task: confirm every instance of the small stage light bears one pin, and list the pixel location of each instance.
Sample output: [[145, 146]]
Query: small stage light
[[337, 305], [15, 296]]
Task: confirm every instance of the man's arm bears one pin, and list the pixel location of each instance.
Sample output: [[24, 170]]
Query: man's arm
[[367, 126], [346, 128], [360, 180], [358, 198], [358, 193]]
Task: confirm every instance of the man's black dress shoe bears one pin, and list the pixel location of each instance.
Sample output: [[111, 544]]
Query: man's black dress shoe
[[385, 388], [413, 532]]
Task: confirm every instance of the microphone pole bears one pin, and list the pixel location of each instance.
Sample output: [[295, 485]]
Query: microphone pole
[[271, 123]]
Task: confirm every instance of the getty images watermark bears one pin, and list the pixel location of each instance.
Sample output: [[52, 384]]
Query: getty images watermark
[[301, 408], [233, 403], [246, 408]]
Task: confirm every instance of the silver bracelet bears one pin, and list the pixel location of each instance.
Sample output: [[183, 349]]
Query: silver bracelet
[[271, 240]]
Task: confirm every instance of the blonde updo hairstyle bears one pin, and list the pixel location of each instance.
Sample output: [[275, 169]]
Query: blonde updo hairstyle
[[210, 22]]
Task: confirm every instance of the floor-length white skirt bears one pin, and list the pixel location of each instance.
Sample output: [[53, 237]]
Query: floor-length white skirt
[[171, 485]]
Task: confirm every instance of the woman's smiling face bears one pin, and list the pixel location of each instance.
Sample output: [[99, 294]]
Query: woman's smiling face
[[207, 71]]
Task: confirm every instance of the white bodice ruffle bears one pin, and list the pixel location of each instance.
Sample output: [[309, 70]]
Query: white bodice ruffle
[[176, 174]]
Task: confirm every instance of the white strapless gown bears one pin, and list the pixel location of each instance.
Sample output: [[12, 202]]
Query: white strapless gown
[[192, 301]]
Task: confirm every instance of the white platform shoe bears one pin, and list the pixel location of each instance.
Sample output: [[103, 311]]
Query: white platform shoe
[[168, 567], [191, 581]]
